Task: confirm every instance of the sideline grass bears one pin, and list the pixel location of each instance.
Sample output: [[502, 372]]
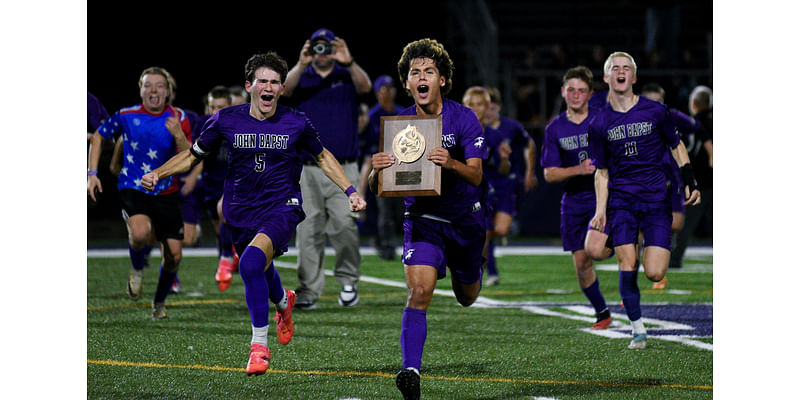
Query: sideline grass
[[471, 353]]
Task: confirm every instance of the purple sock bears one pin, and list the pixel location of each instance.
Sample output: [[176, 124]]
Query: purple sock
[[165, 279], [491, 265], [595, 296], [139, 257], [256, 292], [276, 290], [629, 290], [413, 331], [225, 240]]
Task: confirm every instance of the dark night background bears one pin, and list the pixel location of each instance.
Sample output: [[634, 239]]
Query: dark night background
[[210, 45], [207, 46]]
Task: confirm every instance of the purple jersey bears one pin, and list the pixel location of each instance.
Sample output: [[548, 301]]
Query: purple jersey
[[374, 127], [147, 144], [215, 166], [332, 104], [686, 126], [462, 136], [96, 113], [631, 146], [566, 144], [598, 99], [265, 159], [513, 133]]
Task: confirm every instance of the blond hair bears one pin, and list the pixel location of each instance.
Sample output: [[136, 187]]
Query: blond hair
[[476, 90], [607, 65]]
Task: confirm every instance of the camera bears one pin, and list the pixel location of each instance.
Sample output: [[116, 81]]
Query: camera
[[322, 48]]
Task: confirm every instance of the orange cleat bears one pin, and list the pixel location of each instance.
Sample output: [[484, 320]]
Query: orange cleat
[[285, 325], [603, 320], [602, 324], [224, 276], [259, 359], [660, 285]]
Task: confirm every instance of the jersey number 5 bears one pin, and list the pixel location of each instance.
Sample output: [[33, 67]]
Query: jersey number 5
[[260, 162]]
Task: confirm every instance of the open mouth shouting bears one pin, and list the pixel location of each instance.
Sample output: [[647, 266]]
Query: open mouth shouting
[[267, 99], [423, 91]]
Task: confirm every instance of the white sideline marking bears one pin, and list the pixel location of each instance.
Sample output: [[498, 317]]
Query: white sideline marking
[[368, 250]]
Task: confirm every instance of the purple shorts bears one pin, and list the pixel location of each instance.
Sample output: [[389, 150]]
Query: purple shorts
[[505, 202], [677, 203], [577, 210], [191, 207], [443, 245], [278, 225], [628, 216], [574, 228]]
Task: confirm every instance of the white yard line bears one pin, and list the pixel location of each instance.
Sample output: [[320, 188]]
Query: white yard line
[[368, 250]]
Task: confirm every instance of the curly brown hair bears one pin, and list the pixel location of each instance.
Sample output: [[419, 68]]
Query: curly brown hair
[[427, 48]]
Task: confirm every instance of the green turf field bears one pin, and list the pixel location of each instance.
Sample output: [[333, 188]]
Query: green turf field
[[524, 339]]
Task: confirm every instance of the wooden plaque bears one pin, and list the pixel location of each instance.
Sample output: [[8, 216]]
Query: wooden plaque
[[410, 138]]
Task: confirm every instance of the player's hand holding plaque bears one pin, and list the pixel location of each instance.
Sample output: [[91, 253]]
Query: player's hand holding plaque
[[410, 139]]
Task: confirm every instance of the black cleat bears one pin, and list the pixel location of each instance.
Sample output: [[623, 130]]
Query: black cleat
[[408, 383]]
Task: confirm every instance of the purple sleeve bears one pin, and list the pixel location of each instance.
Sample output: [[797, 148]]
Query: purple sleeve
[[668, 131], [96, 112], [210, 137], [597, 145], [472, 138], [309, 140], [551, 157], [684, 123]]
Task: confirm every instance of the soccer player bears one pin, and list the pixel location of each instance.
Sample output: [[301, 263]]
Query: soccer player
[[262, 191], [507, 182], [440, 232], [565, 157], [686, 126], [152, 132], [628, 138], [215, 167]]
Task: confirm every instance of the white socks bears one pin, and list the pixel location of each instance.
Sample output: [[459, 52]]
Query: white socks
[[260, 335], [638, 326]]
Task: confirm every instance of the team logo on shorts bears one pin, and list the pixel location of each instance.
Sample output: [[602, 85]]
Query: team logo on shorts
[[409, 253]]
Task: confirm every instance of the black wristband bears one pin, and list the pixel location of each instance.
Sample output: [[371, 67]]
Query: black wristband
[[688, 177]]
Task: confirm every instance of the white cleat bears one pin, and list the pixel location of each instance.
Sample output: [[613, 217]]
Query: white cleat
[[135, 284], [639, 341]]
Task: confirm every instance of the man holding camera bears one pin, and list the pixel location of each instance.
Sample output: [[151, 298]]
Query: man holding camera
[[325, 85]]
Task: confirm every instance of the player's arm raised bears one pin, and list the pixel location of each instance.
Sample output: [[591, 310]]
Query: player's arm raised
[[333, 170]]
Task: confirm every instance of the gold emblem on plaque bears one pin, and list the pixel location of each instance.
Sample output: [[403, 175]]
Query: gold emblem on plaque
[[408, 145]]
